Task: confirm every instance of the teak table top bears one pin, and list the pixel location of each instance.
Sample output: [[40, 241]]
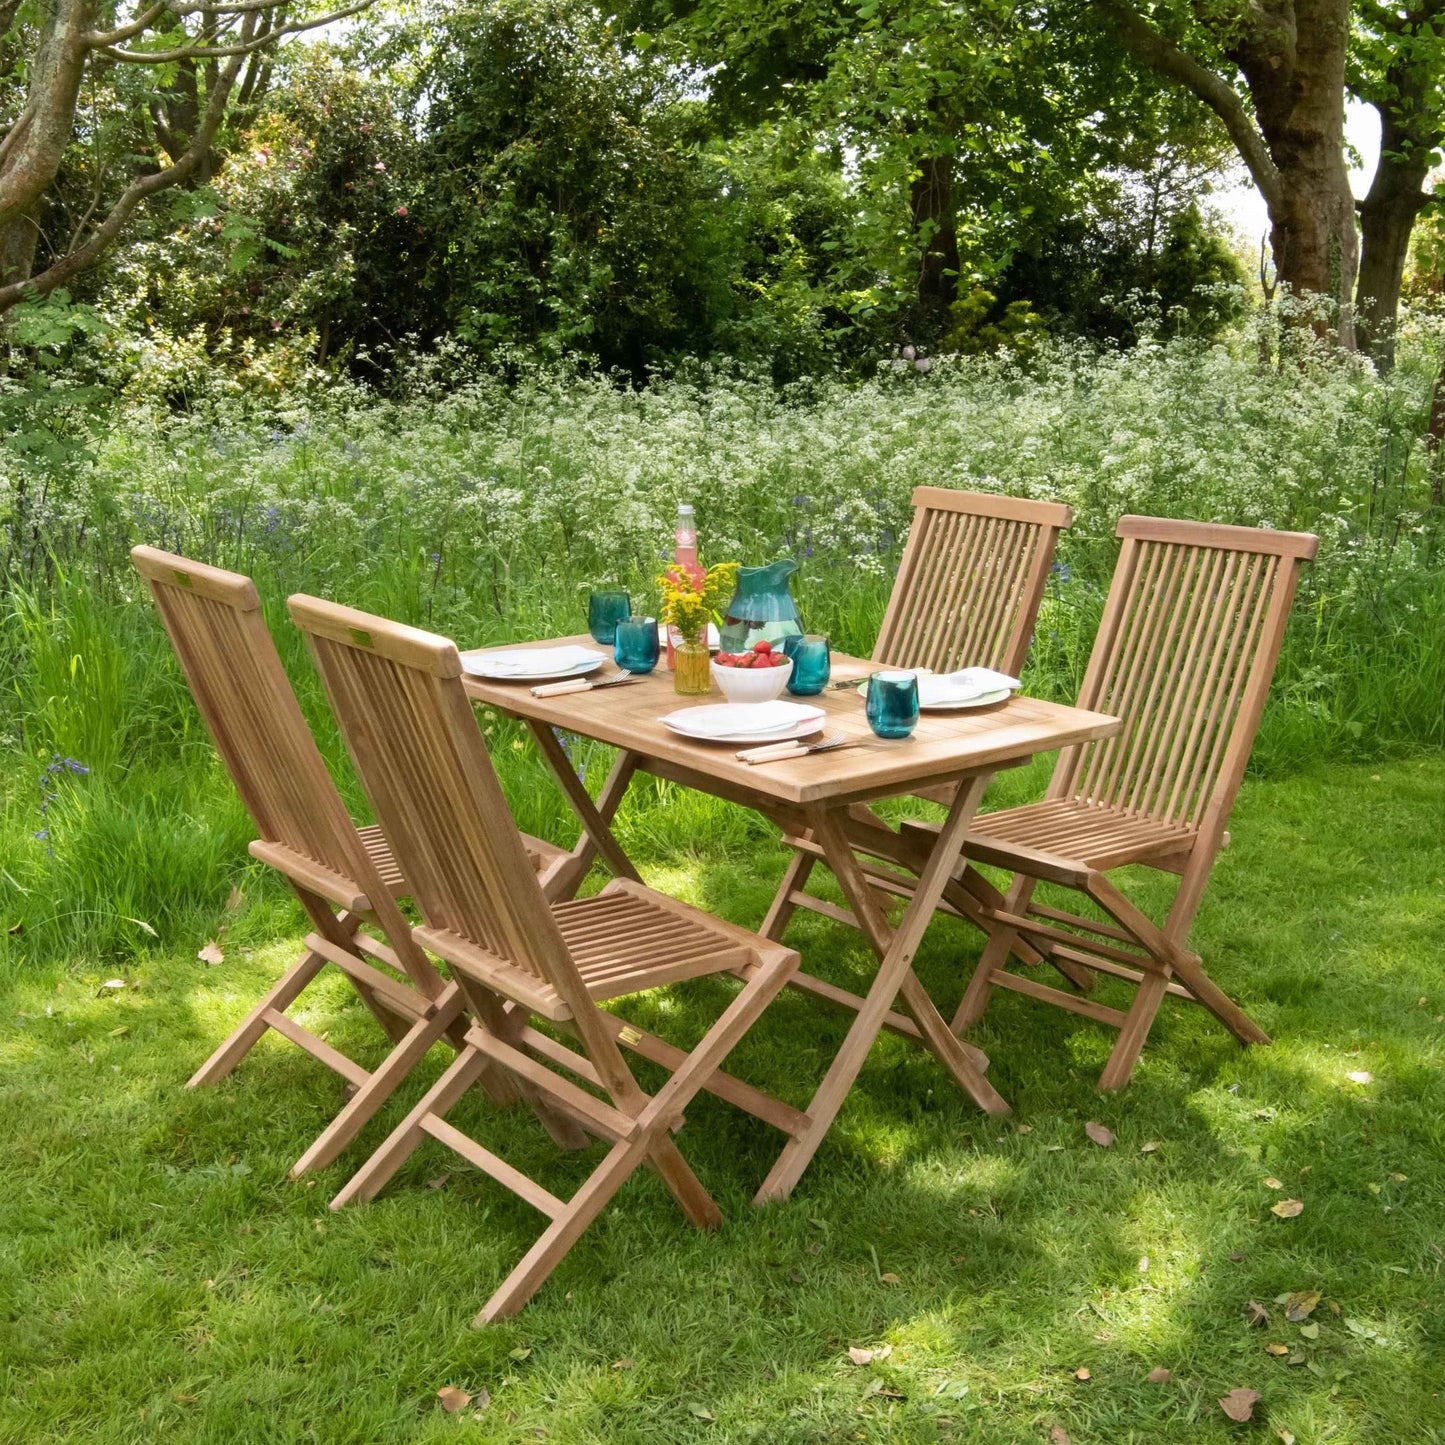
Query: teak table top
[[944, 746]]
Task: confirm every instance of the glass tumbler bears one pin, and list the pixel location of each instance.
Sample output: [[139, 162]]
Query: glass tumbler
[[604, 611], [637, 646], [812, 666], [892, 707]]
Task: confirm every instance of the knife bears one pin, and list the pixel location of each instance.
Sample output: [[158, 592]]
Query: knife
[[794, 748], [581, 684]]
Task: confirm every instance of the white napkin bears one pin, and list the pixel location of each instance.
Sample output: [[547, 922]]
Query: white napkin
[[533, 662], [935, 688]]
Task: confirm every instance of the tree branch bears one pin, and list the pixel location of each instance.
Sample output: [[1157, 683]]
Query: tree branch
[[96, 40], [77, 261], [216, 52], [1162, 54]]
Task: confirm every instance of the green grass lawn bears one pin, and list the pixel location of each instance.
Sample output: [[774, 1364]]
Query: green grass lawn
[[160, 1280]]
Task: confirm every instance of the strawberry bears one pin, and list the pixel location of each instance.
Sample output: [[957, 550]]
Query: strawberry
[[763, 647]]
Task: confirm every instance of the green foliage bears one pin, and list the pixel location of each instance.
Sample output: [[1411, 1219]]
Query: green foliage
[[484, 506]]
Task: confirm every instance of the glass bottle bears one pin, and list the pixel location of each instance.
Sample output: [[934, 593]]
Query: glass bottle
[[684, 557]]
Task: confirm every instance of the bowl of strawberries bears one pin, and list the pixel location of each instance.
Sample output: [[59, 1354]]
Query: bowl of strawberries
[[757, 675]]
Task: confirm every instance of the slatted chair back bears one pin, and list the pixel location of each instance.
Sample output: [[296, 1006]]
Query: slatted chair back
[[971, 580], [397, 696], [246, 700], [1185, 653]]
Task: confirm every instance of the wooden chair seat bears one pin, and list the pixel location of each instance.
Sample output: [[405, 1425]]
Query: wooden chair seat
[[1077, 836], [540, 853], [623, 941]]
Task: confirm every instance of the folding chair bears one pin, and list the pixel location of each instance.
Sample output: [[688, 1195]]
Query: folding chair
[[1186, 649], [968, 590], [399, 701], [247, 703]]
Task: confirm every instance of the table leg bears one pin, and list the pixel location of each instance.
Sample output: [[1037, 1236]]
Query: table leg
[[596, 818], [896, 951]]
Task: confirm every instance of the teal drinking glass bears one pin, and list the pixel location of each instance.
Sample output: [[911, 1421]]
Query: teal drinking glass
[[604, 611], [637, 645], [812, 666], [892, 703]]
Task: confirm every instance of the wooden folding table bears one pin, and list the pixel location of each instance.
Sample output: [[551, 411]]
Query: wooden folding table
[[812, 796]]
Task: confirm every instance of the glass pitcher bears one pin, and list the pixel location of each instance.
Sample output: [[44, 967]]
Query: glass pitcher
[[762, 606]]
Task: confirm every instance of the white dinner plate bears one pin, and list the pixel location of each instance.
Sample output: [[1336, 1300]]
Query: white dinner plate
[[756, 722], [811, 728], [983, 699], [538, 664]]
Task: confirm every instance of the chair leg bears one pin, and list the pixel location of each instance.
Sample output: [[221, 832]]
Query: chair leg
[[1149, 994], [564, 1231], [243, 1038], [795, 877], [382, 1084], [401, 1144], [1000, 943], [1186, 965]]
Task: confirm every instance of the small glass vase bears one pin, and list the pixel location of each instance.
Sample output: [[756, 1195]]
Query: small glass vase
[[692, 669]]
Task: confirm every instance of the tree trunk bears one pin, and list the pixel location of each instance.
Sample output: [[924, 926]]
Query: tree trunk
[[18, 237], [1387, 219], [1293, 58], [931, 203], [1407, 96]]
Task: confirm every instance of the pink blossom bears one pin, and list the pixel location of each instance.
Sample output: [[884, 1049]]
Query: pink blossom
[[402, 211]]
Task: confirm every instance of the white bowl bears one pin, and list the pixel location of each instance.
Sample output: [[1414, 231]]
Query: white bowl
[[751, 684]]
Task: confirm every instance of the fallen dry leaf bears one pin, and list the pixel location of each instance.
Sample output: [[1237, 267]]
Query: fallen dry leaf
[[888, 1279], [1288, 1208], [1273, 1183], [1159, 1376], [1360, 1076], [1059, 1436], [234, 899], [482, 1399], [625, 1363], [1310, 1331], [1099, 1134], [112, 984], [1083, 1373], [1275, 1348], [519, 1354], [453, 1399], [701, 1411], [1300, 1304], [1287, 1436], [1256, 1313], [212, 957], [1150, 1146], [860, 1356], [1143, 1264], [1239, 1404], [1023, 1128], [440, 1181]]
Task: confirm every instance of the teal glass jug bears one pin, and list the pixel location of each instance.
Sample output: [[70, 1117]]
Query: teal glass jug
[[762, 606]]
